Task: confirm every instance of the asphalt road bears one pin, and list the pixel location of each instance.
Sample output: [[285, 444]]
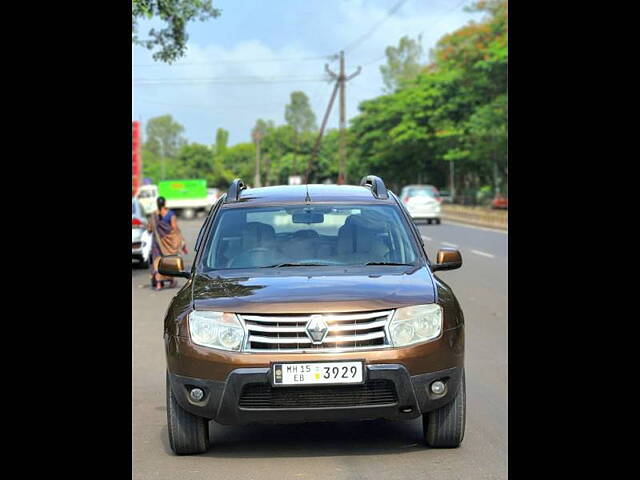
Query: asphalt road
[[342, 450]]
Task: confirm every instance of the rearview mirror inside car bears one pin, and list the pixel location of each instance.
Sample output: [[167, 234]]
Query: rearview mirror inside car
[[447, 259], [308, 217], [172, 266]]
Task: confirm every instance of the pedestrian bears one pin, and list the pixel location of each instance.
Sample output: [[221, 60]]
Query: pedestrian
[[167, 240]]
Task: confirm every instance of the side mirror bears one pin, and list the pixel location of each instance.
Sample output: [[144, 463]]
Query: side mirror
[[446, 259], [172, 266]]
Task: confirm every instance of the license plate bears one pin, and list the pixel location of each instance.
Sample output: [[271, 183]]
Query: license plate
[[317, 373]]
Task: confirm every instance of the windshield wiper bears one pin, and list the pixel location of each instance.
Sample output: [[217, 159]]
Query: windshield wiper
[[389, 263], [296, 265]]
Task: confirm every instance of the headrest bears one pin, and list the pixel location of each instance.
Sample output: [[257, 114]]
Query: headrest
[[255, 234]]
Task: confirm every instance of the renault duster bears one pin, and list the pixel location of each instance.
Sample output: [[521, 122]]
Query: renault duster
[[312, 303]]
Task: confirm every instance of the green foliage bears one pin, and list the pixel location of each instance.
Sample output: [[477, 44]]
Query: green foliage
[[298, 113], [166, 154], [240, 160], [222, 138], [164, 136], [260, 129], [452, 110], [455, 109], [171, 41], [192, 161], [403, 63]]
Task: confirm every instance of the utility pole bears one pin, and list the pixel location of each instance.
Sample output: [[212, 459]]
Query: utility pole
[[257, 136], [314, 153], [342, 80], [453, 187]]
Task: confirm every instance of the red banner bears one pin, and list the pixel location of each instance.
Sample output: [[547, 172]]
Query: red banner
[[135, 171]]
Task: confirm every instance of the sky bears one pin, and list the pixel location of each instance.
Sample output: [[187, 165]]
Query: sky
[[243, 65]]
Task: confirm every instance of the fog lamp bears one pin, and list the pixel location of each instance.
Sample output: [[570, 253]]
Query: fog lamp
[[437, 387], [196, 394]]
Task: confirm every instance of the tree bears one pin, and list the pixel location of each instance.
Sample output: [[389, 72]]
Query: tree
[[298, 114], [198, 161], [257, 134], [403, 63], [452, 110], [176, 14], [222, 138], [301, 118], [164, 136], [240, 160]]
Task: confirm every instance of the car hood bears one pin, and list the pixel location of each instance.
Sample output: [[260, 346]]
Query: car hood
[[326, 289]]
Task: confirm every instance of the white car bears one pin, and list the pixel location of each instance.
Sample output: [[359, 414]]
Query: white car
[[148, 196], [140, 238], [422, 202]]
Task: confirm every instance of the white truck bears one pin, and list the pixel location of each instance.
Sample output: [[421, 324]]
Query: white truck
[[186, 197]]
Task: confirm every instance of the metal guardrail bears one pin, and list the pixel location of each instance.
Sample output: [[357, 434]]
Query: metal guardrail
[[481, 216]]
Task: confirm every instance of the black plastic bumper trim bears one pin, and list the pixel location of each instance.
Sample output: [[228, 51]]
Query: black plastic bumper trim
[[221, 399]]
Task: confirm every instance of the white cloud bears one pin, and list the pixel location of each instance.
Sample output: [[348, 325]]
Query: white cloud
[[236, 104]]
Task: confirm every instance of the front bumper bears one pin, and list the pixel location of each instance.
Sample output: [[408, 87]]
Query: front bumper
[[424, 214], [221, 401]]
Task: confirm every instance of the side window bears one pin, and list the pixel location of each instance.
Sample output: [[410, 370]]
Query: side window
[[205, 225]]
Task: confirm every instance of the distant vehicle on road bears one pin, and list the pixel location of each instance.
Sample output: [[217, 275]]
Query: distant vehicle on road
[[140, 238], [422, 202], [185, 197], [500, 202], [445, 196], [147, 196]]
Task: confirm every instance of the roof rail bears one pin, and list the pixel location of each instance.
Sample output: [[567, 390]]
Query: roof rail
[[377, 186], [233, 194]]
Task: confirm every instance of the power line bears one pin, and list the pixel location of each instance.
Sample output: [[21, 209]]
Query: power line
[[225, 77], [455, 7], [217, 62], [367, 34], [212, 107], [227, 81]]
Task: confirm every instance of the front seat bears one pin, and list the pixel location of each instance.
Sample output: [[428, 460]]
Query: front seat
[[258, 246], [359, 243], [256, 234]]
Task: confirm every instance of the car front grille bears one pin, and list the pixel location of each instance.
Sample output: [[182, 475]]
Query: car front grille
[[263, 395], [288, 333]]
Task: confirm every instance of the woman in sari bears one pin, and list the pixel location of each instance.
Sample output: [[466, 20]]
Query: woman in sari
[[167, 240]]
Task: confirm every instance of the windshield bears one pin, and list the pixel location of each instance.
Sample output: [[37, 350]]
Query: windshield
[[308, 235], [420, 192]]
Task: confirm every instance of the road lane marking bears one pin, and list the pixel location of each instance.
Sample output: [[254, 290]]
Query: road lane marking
[[449, 244], [428, 239], [484, 254], [449, 222]]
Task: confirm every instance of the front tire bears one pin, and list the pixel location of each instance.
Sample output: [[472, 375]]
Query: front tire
[[444, 427], [188, 433], [437, 220]]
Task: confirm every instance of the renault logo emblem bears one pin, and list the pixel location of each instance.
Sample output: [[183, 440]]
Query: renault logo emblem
[[317, 329]]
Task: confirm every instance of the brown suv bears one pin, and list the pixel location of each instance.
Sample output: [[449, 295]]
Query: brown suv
[[312, 303]]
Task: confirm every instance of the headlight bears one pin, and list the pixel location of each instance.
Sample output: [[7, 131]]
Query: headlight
[[216, 330], [415, 324]]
